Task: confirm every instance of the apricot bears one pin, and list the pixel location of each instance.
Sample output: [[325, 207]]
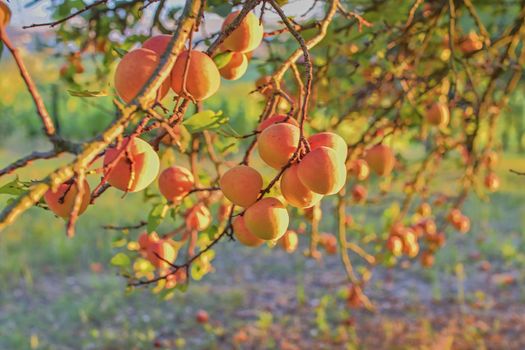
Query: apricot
[[492, 182], [330, 140], [395, 245], [159, 253], [454, 217], [463, 225], [202, 76], [137, 167], [424, 209], [437, 114], [359, 193], [202, 317], [276, 119], [322, 172], [329, 242], [360, 169], [247, 36], [61, 201], [244, 235], [157, 43], [427, 259], [289, 241], [381, 159], [5, 15], [134, 70], [267, 219], [470, 43], [198, 218], [175, 182], [241, 185], [277, 143], [295, 192], [145, 241], [235, 68]]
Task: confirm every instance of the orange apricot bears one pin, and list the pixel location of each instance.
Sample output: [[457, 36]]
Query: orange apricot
[[136, 168], [134, 70], [267, 219], [145, 241], [160, 252], [289, 241], [241, 185], [198, 218], [359, 193], [157, 43], [470, 43], [322, 172], [244, 235], [395, 245], [62, 200], [175, 182], [247, 36], [427, 259], [276, 119], [437, 114], [492, 182], [235, 68], [329, 242], [202, 76], [424, 209], [381, 159], [295, 192], [360, 169], [330, 140], [277, 143]]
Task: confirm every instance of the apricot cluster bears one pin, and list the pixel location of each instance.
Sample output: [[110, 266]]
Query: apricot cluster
[[194, 74]]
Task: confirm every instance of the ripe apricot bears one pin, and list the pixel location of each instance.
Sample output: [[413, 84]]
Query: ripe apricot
[[463, 224], [159, 253], [322, 172], [175, 182], [492, 182], [289, 241], [276, 119], [247, 36], [61, 201], [359, 193], [424, 209], [136, 168], [329, 242], [267, 219], [330, 140], [360, 169], [157, 43], [5, 15], [202, 317], [244, 235], [241, 185], [277, 143], [202, 76], [454, 217], [198, 218], [437, 114], [470, 43], [381, 159], [295, 192], [395, 245], [145, 241], [235, 68], [134, 70], [427, 259]]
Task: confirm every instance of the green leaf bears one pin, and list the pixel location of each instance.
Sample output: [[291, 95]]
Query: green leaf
[[120, 52], [86, 93], [14, 188], [205, 120], [120, 260], [222, 59], [156, 215]]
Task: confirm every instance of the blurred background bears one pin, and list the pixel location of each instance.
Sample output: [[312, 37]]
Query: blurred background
[[59, 293]]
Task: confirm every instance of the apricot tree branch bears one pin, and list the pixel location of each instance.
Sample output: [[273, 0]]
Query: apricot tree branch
[[62, 20]]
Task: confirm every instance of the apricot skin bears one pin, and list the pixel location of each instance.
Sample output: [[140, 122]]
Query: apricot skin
[[276, 119], [134, 70], [145, 163], [63, 210], [247, 36], [198, 218], [244, 235], [202, 77], [437, 114], [295, 192], [330, 140], [380, 159], [267, 219], [175, 182], [157, 43], [277, 143], [322, 172], [241, 185], [236, 68], [289, 241]]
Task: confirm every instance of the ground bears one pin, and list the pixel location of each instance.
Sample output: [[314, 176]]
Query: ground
[[63, 294]]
